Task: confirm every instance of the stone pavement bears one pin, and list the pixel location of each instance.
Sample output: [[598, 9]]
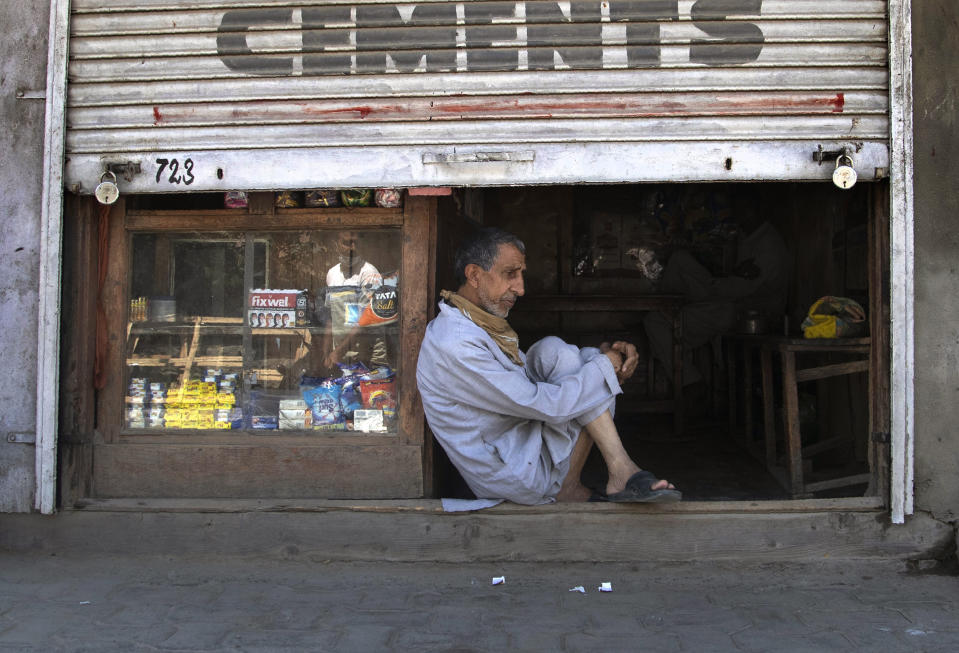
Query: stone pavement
[[98, 604]]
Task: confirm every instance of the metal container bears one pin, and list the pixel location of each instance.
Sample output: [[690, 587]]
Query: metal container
[[753, 323], [162, 309]]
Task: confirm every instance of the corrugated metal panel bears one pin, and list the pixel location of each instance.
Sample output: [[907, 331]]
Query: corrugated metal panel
[[354, 87]]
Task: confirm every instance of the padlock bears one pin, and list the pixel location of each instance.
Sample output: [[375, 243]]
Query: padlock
[[107, 191], [844, 175]]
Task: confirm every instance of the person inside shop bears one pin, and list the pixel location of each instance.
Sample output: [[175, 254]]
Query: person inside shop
[[350, 283], [714, 304], [518, 426]]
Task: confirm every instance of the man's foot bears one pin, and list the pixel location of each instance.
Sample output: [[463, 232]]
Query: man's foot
[[617, 482], [573, 493], [643, 487]]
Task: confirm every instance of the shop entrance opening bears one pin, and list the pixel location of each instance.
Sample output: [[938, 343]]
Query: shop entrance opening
[[602, 264]]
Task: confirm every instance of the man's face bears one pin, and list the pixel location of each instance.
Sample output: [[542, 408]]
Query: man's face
[[499, 287], [346, 249]]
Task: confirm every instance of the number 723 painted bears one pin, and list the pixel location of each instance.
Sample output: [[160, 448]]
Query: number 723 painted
[[171, 171]]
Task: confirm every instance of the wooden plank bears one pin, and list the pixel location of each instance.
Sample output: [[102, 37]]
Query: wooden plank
[[257, 471], [77, 405], [825, 445], [749, 434], [769, 409], [845, 481], [826, 371], [879, 320], [420, 213], [791, 417], [285, 220], [115, 296], [273, 437], [798, 344], [596, 303], [650, 535], [261, 203], [434, 506], [77, 398], [429, 472]]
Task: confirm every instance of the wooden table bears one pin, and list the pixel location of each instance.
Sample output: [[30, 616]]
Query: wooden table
[[788, 347], [669, 305]]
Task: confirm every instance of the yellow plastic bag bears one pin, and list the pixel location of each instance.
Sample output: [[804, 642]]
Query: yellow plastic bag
[[834, 317]]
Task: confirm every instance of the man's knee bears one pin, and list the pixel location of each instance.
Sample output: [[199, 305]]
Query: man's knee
[[552, 358]]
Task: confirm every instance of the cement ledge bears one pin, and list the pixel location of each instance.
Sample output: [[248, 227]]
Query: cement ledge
[[419, 531]]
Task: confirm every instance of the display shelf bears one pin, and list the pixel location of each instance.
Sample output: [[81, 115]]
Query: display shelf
[[219, 329]]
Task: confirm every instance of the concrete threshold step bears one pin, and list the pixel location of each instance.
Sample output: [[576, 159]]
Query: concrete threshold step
[[419, 530]]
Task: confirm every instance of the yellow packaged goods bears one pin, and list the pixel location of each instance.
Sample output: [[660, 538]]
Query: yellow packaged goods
[[222, 425], [834, 317], [225, 399]]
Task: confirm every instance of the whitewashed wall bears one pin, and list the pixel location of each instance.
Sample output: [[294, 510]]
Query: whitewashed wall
[[23, 52], [285, 94]]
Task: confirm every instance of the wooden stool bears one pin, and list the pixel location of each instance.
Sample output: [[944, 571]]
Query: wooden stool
[[791, 477]]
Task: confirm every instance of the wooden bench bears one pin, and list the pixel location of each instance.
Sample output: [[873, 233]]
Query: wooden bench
[[791, 476]]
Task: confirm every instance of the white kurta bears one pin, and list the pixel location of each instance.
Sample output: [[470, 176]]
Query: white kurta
[[509, 429]]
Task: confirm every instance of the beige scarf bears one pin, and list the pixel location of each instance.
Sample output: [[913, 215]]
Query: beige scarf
[[498, 328]]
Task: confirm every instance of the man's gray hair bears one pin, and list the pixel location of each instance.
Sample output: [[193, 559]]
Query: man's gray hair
[[481, 249]]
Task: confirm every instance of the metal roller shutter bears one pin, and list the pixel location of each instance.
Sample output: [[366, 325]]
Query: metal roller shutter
[[273, 94]]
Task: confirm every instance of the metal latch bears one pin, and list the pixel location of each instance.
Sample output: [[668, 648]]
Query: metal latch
[[126, 170], [23, 437], [525, 156], [821, 155]]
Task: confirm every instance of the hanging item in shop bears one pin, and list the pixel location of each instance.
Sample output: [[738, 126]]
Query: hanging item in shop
[[388, 198], [834, 317], [288, 199], [235, 199], [322, 197], [356, 197]]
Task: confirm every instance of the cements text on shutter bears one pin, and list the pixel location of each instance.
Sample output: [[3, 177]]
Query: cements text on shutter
[[489, 36]]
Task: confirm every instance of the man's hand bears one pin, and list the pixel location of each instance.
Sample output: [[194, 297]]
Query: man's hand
[[623, 356]]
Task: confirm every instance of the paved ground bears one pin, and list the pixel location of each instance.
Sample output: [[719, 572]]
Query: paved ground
[[57, 603]]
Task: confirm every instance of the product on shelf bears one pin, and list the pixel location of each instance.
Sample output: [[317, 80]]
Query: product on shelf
[[269, 308], [206, 403]]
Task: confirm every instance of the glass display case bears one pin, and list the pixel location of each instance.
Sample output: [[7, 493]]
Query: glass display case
[[264, 332], [259, 351]]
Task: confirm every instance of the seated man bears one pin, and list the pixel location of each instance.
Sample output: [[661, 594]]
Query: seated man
[[519, 426]]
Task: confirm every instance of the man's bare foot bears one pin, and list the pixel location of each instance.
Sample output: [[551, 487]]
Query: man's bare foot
[[574, 492]]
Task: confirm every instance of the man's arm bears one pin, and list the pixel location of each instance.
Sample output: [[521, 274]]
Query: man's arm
[[473, 376]]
